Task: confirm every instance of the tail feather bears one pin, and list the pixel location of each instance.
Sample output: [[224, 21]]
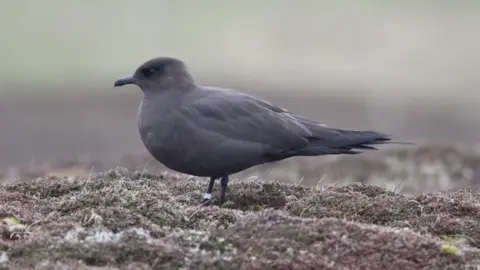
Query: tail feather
[[346, 142], [366, 147], [327, 141]]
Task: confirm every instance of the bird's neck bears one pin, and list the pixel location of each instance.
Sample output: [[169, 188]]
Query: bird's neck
[[161, 102]]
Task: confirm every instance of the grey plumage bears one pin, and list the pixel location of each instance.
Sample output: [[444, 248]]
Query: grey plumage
[[215, 132]]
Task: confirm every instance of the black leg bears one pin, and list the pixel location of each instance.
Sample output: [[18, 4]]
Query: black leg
[[207, 198], [223, 188]]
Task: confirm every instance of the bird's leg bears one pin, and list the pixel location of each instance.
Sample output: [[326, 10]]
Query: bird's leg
[[223, 188], [207, 198]]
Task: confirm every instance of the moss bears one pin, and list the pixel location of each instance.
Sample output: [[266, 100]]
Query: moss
[[141, 221], [450, 250], [362, 205]]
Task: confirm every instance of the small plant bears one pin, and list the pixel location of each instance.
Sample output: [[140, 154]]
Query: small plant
[[451, 250], [14, 229]]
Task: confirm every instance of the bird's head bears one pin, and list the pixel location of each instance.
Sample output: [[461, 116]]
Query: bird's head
[[159, 74]]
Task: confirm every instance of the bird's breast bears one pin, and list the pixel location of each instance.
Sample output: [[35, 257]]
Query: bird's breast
[[175, 139], [168, 139]]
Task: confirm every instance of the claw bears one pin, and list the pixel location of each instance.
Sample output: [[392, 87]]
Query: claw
[[206, 202]]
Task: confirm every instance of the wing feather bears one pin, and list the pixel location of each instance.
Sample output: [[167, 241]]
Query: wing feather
[[237, 116]]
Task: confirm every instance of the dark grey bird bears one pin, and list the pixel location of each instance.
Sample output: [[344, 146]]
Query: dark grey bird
[[214, 132]]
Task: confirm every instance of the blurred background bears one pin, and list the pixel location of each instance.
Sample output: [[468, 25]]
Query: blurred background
[[407, 68]]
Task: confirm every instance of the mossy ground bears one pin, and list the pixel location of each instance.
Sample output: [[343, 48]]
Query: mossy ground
[[134, 220], [411, 170]]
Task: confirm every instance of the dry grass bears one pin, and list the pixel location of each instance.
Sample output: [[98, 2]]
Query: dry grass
[[409, 170], [136, 220]]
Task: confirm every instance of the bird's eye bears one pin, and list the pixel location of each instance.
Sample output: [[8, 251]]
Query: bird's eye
[[148, 72]]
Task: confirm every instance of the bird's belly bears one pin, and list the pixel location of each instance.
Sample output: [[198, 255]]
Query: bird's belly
[[183, 162], [181, 152], [196, 154]]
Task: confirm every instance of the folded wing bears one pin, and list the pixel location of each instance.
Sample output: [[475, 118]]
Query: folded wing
[[237, 116]]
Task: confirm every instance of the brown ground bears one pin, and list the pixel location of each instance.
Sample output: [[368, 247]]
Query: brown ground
[[135, 220], [318, 220]]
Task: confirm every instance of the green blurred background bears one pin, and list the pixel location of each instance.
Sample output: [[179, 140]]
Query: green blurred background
[[409, 68], [430, 44]]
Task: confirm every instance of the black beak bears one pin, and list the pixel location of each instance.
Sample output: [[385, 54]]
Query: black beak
[[124, 81]]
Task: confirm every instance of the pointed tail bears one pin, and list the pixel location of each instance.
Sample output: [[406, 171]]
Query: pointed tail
[[348, 142]]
